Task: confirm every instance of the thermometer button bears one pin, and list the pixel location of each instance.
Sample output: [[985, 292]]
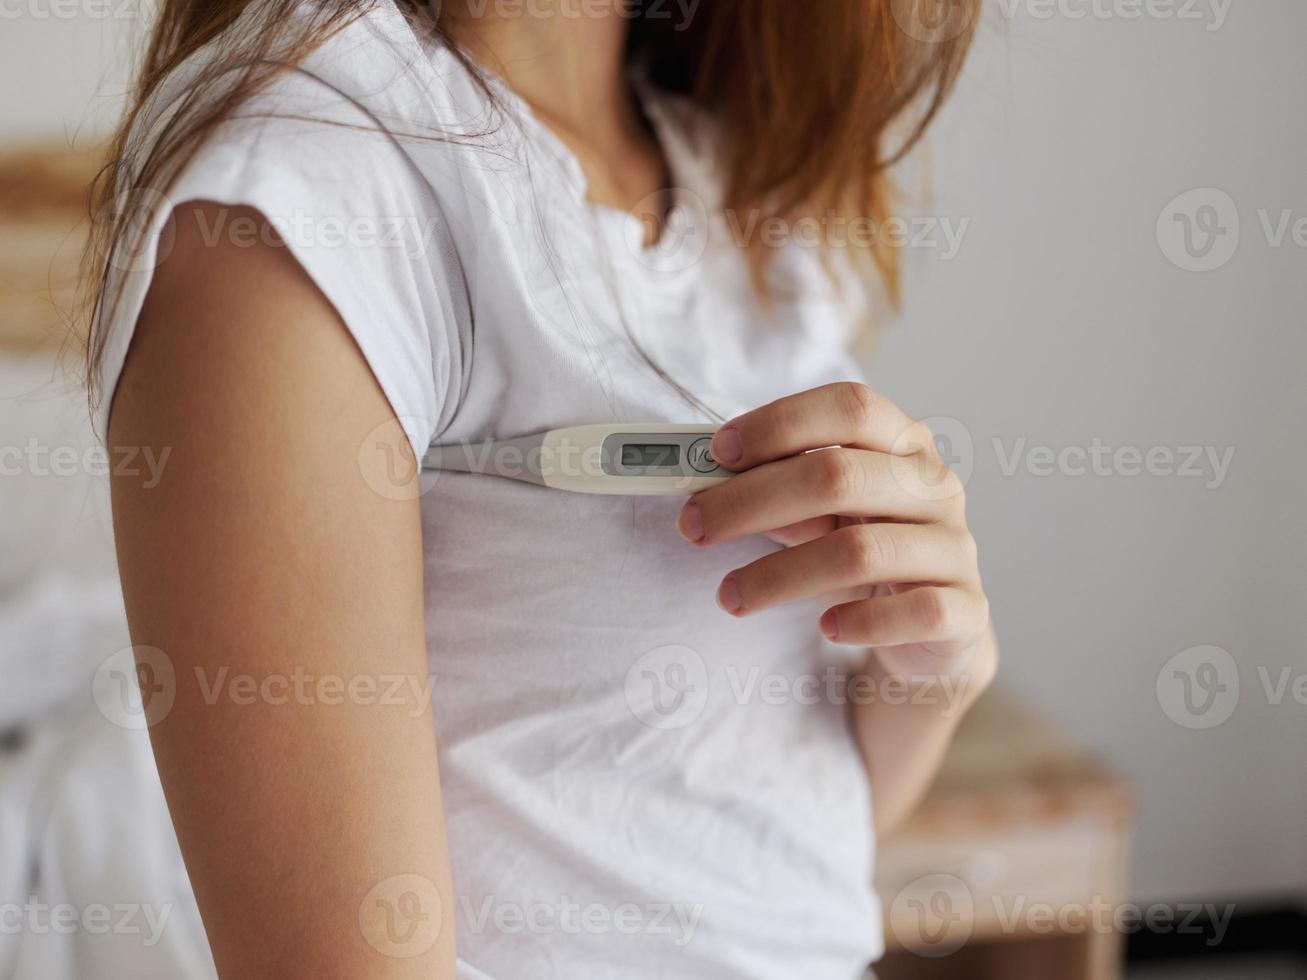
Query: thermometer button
[[701, 460]]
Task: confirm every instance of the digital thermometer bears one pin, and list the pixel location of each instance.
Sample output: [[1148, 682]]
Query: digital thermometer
[[635, 460]]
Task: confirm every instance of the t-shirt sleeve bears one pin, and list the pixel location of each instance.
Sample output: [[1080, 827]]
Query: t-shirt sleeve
[[342, 194]]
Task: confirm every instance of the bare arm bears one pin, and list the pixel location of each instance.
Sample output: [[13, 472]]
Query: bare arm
[[299, 757]]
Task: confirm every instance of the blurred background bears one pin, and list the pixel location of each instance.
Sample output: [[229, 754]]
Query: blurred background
[[1105, 322]]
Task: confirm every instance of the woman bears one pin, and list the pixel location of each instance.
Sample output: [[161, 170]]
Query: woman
[[460, 726]]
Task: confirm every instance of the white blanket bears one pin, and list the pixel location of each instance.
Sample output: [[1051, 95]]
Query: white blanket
[[91, 880]]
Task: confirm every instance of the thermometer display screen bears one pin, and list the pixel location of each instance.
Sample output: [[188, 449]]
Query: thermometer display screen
[[636, 456]]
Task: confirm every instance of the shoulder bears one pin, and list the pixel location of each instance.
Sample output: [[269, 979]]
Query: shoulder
[[356, 106], [320, 161], [374, 92]]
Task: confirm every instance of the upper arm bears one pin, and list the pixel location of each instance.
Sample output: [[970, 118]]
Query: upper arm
[[278, 566]]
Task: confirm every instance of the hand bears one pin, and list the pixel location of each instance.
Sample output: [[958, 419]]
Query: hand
[[878, 513]]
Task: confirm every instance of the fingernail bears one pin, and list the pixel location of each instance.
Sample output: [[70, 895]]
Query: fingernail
[[690, 523], [727, 447], [830, 625], [728, 596]]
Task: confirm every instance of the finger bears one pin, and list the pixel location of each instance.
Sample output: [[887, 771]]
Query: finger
[[804, 531], [848, 482], [929, 615], [845, 414], [858, 555]]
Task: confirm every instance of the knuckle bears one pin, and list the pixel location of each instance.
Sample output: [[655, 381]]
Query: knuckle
[[837, 476], [935, 472], [936, 613], [948, 614], [948, 487], [919, 439], [859, 404], [870, 550]]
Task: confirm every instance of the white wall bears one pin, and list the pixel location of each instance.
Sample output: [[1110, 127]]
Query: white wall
[[1060, 321], [64, 66]]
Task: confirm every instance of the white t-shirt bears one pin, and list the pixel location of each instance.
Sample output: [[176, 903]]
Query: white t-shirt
[[636, 785]]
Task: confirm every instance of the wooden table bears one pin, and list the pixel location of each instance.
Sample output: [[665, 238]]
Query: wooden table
[[1015, 863], [43, 224]]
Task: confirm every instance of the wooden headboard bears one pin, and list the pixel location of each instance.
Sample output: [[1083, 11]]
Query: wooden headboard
[[43, 224]]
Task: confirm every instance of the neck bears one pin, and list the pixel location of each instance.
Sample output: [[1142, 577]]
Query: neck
[[566, 60]]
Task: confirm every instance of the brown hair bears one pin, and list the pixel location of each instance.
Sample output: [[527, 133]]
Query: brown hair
[[806, 96]]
